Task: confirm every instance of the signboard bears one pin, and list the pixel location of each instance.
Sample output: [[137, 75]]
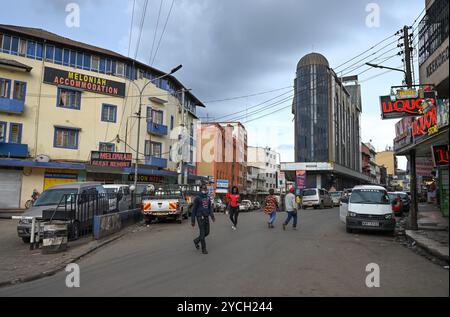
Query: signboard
[[222, 183], [89, 83], [425, 125], [301, 179], [440, 155], [424, 166], [147, 179], [407, 94], [442, 113], [111, 159], [403, 135], [413, 107]]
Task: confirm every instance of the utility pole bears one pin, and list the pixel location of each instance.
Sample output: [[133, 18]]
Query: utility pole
[[181, 169], [412, 154]]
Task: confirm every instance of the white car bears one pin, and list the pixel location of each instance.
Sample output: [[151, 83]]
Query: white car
[[246, 205], [119, 196], [368, 208]]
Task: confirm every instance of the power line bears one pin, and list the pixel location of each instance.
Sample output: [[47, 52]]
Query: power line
[[131, 29], [163, 32], [247, 96], [141, 28], [156, 31]]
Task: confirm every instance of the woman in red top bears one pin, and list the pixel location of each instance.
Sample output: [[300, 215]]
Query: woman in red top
[[233, 201]]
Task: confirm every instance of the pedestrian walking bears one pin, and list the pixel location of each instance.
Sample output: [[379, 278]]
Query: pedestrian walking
[[233, 200], [291, 209], [271, 207], [202, 211]]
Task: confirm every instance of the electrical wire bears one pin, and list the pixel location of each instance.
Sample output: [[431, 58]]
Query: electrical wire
[[163, 32], [156, 31]]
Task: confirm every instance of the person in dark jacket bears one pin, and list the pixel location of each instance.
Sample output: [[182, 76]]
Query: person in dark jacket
[[201, 211]]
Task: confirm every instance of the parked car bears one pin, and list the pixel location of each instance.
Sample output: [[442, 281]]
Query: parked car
[[257, 205], [85, 199], [166, 203], [123, 195], [368, 208], [406, 201], [316, 198], [336, 198], [218, 205], [245, 205]]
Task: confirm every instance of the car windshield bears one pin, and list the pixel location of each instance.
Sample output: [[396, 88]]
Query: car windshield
[[310, 192], [111, 190], [335, 195], [369, 196], [54, 196]]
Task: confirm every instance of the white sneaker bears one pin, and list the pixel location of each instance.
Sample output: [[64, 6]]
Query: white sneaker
[[233, 227]]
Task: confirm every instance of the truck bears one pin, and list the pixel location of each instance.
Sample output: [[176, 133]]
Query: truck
[[165, 203]]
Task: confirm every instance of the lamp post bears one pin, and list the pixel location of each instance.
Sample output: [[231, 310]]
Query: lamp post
[[139, 114]]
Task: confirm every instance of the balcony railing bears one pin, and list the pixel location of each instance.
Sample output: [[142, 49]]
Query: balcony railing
[[11, 105], [156, 161], [157, 129], [13, 150]]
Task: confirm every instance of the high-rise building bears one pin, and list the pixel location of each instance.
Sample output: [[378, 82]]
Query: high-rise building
[[327, 112]]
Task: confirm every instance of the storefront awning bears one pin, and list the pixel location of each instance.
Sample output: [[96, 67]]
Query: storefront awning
[[20, 163]]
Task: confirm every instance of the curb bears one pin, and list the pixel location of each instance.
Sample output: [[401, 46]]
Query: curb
[[60, 267], [424, 244]]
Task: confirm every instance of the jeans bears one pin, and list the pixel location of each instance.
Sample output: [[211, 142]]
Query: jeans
[[272, 217], [203, 225], [234, 214], [291, 215]]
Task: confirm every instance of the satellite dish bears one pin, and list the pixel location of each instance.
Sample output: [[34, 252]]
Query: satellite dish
[[42, 159]]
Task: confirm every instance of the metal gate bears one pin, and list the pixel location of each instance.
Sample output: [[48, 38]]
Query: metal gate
[[10, 188]]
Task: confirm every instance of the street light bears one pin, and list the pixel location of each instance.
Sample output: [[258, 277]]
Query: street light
[[141, 92], [386, 67]]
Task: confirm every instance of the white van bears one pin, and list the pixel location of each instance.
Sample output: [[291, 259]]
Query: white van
[[368, 208], [121, 194], [317, 198]]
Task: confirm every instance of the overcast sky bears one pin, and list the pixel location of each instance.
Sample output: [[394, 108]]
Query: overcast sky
[[241, 47]]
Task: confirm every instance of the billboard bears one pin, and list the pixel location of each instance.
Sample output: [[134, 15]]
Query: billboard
[[393, 108], [301, 179], [111, 159]]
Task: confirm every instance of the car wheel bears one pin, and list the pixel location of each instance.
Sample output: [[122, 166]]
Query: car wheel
[[26, 240]]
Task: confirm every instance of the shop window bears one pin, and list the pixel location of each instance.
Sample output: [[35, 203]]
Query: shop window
[[70, 99], [66, 138], [15, 133], [109, 113]]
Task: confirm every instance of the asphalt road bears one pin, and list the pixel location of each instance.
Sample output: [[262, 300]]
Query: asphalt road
[[320, 259]]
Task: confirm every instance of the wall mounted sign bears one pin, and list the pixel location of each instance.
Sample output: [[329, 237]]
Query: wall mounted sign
[[425, 125], [89, 83], [301, 179], [147, 179], [412, 107], [440, 155], [111, 159]]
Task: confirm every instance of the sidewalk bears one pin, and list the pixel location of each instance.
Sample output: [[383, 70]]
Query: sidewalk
[[8, 213], [433, 235]]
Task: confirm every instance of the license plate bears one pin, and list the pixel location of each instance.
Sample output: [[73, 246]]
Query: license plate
[[370, 224]]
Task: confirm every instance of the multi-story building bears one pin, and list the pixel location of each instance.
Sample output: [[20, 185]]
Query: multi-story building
[[222, 155], [257, 177], [268, 161], [327, 112], [62, 100], [388, 159]]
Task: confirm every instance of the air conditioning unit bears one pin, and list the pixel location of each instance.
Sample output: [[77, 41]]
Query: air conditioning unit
[[42, 159]]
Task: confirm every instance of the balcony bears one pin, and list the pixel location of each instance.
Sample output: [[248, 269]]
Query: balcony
[[12, 106], [156, 161], [11, 150], [157, 129]]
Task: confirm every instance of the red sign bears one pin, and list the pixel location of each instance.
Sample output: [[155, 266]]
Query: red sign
[[425, 125], [440, 155], [111, 159], [406, 107]]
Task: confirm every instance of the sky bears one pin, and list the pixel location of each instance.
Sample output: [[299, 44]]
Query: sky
[[238, 48]]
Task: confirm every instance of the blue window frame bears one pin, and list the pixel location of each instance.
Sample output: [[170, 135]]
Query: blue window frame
[[3, 126], [58, 55], [20, 90], [73, 58], [15, 133], [107, 147], [31, 49], [49, 53], [109, 113], [153, 149], [79, 60], [87, 61], [66, 138], [66, 57], [102, 65], [15, 45], [39, 51], [5, 88], [68, 98], [6, 43], [171, 122]]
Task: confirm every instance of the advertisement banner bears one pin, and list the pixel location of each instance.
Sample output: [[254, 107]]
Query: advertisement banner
[[111, 159], [424, 166], [301, 179], [442, 113], [222, 183], [403, 135], [440, 155], [413, 107]]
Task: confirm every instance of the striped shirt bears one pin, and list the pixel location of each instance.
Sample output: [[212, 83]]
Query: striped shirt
[[271, 204]]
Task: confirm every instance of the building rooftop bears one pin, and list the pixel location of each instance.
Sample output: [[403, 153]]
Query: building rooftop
[[313, 59]]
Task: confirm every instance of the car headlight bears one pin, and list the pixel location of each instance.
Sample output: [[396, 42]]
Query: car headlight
[[352, 214], [389, 216]]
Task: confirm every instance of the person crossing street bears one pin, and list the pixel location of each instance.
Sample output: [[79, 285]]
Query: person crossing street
[[271, 208], [201, 212], [291, 209]]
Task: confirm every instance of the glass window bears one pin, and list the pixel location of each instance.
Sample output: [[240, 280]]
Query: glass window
[[1, 41], [79, 60], [107, 147], [49, 53], [70, 99], [55, 196], [153, 149], [66, 57], [102, 67], [369, 196], [19, 90], [5, 88], [109, 113], [95, 65], [39, 51], [15, 133], [157, 117], [120, 69], [58, 55], [171, 122], [22, 47], [6, 43], [109, 66], [3, 132], [15, 45], [73, 58], [66, 138], [87, 61]]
